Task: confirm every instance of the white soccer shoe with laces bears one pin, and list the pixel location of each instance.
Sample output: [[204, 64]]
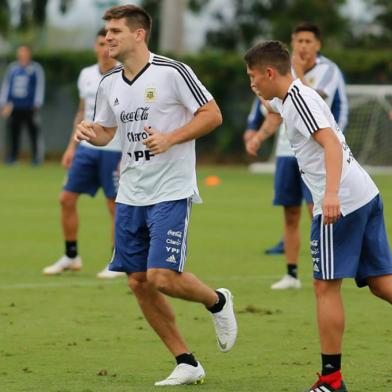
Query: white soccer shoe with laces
[[225, 323], [107, 274], [287, 282], [184, 374], [64, 263]]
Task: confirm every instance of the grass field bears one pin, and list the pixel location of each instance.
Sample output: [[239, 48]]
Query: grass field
[[73, 333]]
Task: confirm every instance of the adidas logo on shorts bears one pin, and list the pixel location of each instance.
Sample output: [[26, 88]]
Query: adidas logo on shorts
[[171, 259]]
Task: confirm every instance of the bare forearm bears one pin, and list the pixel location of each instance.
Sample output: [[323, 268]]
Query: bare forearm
[[202, 123], [269, 127], [103, 135], [333, 156], [78, 118]]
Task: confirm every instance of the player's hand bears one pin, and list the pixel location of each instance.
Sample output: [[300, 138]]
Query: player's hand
[[68, 157], [253, 145], [248, 135], [299, 64], [6, 111], [158, 142], [331, 208], [256, 91], [84, 131]]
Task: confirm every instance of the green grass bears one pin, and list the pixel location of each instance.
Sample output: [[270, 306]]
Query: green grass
[[57, 334]]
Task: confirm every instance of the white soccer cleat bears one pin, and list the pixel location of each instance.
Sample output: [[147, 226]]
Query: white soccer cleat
[[64, 263], [225, 323], [107, 274], [184, 374], [287, 282]]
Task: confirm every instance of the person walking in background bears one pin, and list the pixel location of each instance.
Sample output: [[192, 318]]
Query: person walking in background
[[90, 167], [21, 97], [159, 107]]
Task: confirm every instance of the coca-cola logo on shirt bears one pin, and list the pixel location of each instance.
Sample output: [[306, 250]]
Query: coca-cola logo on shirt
[[140, 114]]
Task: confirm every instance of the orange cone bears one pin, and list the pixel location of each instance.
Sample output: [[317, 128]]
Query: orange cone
[[212, 181]]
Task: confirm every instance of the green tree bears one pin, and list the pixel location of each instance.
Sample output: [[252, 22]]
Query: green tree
[[379, 33], [4, 17], [275, 19]]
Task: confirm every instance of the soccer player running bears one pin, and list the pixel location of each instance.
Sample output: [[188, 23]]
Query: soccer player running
[[90, 168], [348, 237], [158, 106], [324, 76]]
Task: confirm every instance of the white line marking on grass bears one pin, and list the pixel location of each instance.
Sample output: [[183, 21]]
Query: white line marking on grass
[[55, 285], [91, 283], [87, 283]]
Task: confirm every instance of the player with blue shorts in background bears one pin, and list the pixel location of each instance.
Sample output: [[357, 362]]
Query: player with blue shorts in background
[[90, 167]]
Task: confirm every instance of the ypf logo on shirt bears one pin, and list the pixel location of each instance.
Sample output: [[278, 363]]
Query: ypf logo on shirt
[[310, 81], [150, 94]]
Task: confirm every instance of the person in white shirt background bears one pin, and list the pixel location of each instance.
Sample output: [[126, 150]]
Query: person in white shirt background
[[89, 168]]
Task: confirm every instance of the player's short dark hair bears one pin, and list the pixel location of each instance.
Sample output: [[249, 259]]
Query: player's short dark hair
[[136, 17], [310, 27], [269, 53], [101, 32]]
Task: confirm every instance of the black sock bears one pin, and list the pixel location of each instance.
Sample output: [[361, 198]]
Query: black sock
[[292, 270], [187, 358], [331, 363], [71, 249], [218, 306]]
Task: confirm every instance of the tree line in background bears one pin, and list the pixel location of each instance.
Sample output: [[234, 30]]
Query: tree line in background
[[249, 20]]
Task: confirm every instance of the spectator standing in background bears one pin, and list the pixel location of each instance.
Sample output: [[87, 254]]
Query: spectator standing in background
[[21, 97]]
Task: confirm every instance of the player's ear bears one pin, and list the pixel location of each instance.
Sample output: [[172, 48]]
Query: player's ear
[[140, 34], [270, 73]]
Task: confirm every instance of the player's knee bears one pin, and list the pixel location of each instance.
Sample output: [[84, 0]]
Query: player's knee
[[292, 216], [322, 287], [160, 279], [383, 293], [66, 200], [137, 285]]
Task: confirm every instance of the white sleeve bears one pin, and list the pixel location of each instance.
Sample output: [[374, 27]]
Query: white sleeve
[[307, 114], [189, 91], [103, 113], [276, 105], [328, 84]]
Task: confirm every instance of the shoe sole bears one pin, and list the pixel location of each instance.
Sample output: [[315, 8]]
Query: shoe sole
[[109, 277], [76, 269], [230, 298], [197, 382]]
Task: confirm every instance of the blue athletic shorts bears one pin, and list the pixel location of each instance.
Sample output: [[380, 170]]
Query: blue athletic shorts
[[356, 246], [152, 236], [289, 187], [92, 169]]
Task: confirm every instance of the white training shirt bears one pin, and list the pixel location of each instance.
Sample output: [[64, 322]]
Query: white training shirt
[[305, 112], [88, 82], [164, 95], [325, 76]]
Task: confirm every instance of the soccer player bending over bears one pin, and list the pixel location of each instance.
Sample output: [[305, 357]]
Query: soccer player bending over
[[159, 107], [348, 237]]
